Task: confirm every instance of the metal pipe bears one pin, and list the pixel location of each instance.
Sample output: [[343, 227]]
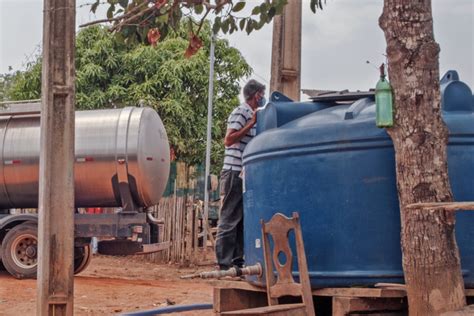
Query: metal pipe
[[154, 220], [232, 272], [208, 141]]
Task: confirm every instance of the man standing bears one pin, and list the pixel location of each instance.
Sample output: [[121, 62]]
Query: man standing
[[240, 130]]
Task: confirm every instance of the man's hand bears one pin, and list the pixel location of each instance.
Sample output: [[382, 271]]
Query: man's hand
[[233, 136]]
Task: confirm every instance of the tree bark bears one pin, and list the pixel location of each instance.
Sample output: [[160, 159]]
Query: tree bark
[[431, 261]]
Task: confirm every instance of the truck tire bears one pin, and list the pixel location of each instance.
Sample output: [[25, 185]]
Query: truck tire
[[20, 251], [82, 258]]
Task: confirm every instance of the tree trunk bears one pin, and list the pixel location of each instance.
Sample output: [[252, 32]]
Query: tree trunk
[[431, 261]]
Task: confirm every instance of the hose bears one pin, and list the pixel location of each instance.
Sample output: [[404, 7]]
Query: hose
[[171, 309]]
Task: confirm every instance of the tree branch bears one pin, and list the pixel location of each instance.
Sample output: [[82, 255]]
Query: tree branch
[[130, 19], [101, 21], [118, 18], [448, 206]]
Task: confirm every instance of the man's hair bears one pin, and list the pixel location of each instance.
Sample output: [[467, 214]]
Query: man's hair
[[252, 87]]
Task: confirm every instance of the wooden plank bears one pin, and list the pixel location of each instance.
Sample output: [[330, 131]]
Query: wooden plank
[[340, 306], [174, 225], [238, 285], [172, 221], [166, 212], [345, 300], [183, 230], [179, 230], [206, 229], [353, 304], [229, 299], [359, 292], [391, 286], [195, 234], [466, 311], [189, 233], [347, 292], [274, 310], [345, 305]]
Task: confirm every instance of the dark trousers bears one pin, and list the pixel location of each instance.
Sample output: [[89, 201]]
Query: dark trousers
[[230, 229]]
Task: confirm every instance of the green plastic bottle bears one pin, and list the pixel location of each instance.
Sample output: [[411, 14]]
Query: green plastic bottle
[[383, 101]]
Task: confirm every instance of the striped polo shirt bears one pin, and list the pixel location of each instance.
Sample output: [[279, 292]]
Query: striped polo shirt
[[237, 120]]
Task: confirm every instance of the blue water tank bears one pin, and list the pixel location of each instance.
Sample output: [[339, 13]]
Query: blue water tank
[[329, 162]]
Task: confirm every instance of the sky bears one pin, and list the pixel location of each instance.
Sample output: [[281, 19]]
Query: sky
[[336, 42]]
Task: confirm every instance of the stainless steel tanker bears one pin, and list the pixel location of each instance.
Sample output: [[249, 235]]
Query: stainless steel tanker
[[107, 141], [121, 160]]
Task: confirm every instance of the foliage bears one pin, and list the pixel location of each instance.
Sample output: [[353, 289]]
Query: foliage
[[24, 85], [150, 20], [5, 82], [110, 73]]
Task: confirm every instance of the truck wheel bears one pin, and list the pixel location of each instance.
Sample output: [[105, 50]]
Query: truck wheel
[[20, 251], [82, 258]]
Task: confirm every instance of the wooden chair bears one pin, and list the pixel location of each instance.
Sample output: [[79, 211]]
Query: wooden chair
[[283, 284]]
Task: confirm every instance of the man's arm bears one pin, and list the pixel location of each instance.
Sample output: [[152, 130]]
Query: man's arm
[[232, 136]]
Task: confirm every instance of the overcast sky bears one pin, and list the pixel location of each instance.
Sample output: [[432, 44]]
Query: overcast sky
[[337, 42]]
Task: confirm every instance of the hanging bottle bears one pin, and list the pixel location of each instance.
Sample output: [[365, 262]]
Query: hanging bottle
[[383, 101]]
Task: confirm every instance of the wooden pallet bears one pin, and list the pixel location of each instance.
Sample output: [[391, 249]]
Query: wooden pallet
[[236, 295]]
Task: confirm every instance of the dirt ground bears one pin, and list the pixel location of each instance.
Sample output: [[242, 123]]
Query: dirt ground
[[114, 285]]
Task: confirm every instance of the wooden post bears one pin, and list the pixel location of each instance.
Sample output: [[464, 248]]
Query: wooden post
[[286, 51], [56, 177]]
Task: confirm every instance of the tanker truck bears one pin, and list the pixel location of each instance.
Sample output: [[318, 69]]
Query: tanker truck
[[121, 161]]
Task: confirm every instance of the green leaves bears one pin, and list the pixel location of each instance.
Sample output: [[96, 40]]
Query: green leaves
[[316, 4], [241, 24], [250, 26], [198, 9], [134, 18], [110, 11], [123, 3], [94, 6], [238, 6], [24, 85], [217, 25]]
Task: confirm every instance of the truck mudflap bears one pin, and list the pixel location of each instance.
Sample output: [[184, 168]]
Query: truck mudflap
[[129, 247]]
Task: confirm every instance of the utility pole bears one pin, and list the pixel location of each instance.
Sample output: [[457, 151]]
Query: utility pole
[[55, 285], [208, 141], [286, 51]]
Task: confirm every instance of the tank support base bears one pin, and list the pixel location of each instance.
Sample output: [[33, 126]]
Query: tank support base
[[237, 295]]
